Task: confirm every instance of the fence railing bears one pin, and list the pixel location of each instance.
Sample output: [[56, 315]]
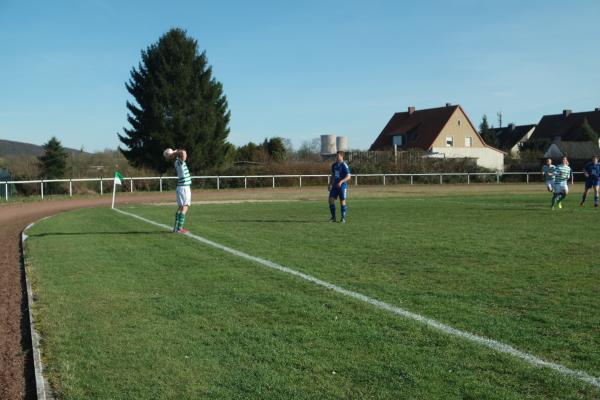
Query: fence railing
[[225, 181]]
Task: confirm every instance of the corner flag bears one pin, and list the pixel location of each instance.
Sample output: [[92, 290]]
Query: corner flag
[[118, 181], [118, 178]]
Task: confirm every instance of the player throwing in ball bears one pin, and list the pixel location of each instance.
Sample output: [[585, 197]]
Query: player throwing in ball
[[184, 193], [340, 175], [592, 180], [562, 173]]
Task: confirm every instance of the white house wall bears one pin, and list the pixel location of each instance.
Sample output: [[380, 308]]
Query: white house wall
[[486, 157]]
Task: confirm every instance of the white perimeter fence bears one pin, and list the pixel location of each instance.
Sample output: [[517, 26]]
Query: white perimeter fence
[[161, 183]]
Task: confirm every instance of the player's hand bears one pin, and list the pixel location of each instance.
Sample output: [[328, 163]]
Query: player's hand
[[339, 185]]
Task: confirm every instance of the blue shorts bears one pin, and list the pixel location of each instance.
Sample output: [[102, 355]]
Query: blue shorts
[[341, 192], [591, 182]]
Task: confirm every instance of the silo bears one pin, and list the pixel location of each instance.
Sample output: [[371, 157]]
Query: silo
[[342, 143], [328, 144]]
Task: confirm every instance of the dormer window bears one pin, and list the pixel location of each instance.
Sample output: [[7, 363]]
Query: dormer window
[[398, 140]]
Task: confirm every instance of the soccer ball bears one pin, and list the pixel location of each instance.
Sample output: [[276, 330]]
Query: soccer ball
[[168, 153]]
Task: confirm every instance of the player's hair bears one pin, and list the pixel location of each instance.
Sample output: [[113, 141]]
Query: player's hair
[[341, 153]]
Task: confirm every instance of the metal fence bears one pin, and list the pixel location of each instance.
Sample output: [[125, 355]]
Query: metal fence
[[160, 183]]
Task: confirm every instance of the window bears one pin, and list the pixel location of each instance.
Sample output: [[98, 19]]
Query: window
[[459, 122], [468, 141], [398, 140], [449, 141]]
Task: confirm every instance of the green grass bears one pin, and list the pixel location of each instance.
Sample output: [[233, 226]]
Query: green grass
[[130, 311]]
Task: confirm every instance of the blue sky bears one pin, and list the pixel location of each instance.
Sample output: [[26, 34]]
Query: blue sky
[[299, 69]]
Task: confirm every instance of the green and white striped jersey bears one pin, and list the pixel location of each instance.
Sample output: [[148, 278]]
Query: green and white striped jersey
[[562, 173], [547, 170], [183, 174]]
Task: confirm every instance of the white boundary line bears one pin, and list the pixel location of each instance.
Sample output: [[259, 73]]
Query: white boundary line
[[43, 390], [480, 340]]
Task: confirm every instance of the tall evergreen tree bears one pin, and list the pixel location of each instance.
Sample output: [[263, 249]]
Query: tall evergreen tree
[[487, 134], [54, 160], [585, 133], [179, 105]]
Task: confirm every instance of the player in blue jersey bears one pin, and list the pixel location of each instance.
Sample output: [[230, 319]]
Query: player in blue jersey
[[562, 173], [592, 180], [340, 175]]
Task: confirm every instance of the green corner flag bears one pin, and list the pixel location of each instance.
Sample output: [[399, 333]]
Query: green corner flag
[[118, 181], [118, 178]]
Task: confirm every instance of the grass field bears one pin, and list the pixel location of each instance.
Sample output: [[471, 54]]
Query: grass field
[[129, 310]]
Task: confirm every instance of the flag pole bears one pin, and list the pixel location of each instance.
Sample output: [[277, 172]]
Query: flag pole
[[114, 190]]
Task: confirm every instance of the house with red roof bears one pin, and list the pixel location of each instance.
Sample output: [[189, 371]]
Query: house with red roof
[[442, 132]]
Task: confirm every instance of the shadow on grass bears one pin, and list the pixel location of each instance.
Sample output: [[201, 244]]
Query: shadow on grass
[[273, 221], [99, 233]]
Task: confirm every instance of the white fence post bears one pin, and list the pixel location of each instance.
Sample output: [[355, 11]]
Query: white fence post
[[131, 185], [497, 177], [42, 188], [300, 180], [6, 190], [160, 184], [468, 178], [383, 179], [356, 180], [527, 174], [411, 179], [71, 187], [441, 179], [101, 187], [218, 183], [245, 182], [273, 181]]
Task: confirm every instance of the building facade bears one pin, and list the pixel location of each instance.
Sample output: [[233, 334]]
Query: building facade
[[442, 132]]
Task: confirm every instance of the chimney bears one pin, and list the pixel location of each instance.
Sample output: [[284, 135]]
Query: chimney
[[448, 104], [411, 109], [511, 126], [566, 113]]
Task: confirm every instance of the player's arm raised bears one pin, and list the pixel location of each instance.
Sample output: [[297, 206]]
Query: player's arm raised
[[182, 154]]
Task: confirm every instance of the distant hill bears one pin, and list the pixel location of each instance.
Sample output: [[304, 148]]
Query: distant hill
[[11, 148]]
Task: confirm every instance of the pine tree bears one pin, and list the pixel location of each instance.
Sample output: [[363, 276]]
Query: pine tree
[[586, 133], [487, 134], [54, 160], [179, 105]]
